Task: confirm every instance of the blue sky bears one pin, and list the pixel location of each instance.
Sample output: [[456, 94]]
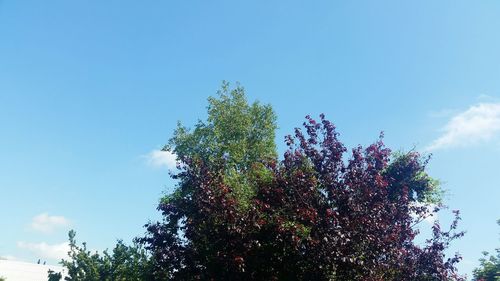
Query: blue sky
[[89, 89]]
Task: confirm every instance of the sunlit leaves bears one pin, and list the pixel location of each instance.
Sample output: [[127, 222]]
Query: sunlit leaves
[[318, 214]]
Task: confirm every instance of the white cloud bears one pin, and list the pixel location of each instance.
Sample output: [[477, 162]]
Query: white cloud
[[44, 250], [47, 224], [160, 158], [479, 123]]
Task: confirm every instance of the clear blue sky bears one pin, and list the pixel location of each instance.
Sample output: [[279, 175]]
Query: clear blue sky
[[89, 88]]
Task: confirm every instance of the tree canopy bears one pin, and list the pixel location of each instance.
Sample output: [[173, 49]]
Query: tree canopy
[[321, 212], [235, 130], [124, 263], [236, 134], [317, 214], [489, 269]]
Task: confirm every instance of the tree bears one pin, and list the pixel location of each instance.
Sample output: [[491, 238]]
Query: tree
[[54, 276], [314, 215], [240, 132], [235, 131], [125, 263], [489, 269]]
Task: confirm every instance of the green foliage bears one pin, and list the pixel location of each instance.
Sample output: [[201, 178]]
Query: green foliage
[[54, 276], [315, 215], [489, 269], [423, 188], [124, 263], [2, 279], [242, 132], [236, 133]]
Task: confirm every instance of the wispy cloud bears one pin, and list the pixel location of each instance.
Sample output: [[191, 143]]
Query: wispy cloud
[[8, 257], [443, 113], [162, 159], [44, 250], [478, 124], [484, 96], [47, 224]]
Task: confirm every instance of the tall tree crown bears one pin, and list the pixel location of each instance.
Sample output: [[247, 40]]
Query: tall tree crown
[[236, 134], [239, 132], [314, 215]]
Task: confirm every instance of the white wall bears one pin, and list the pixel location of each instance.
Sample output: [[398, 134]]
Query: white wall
[[23, 271]]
